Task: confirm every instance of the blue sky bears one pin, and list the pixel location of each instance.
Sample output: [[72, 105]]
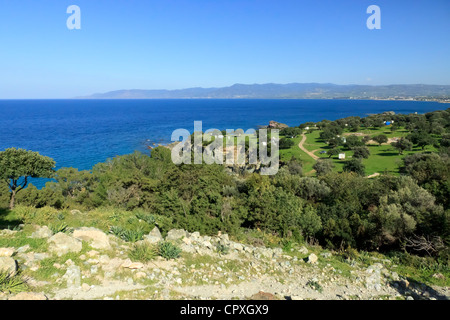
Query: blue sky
[[174, 44]]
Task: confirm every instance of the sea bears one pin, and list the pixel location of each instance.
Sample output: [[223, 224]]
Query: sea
[[80, 133]]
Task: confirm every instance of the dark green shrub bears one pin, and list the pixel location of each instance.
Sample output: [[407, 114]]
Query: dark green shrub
[[168, 250], [143, 252]]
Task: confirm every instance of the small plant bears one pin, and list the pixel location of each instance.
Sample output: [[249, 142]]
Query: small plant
[[132, 235], [60, 227], [147, 217], [287, 245], [117, 231], [143, 252], [315, 285], [168, 250], [222, 249], [12, 283], [115, 216], [364, 257], [60, 216]]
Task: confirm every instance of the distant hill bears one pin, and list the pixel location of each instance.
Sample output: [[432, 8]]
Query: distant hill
[[286, 91]]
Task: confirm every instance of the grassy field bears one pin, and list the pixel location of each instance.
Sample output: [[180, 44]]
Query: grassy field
[[382, 159]]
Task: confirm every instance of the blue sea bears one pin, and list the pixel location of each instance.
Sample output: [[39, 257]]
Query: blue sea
[[81, 133]]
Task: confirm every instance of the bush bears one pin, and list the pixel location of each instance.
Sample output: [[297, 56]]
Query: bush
[[168, 250], [127, 234], [143, 252], [222, 249]]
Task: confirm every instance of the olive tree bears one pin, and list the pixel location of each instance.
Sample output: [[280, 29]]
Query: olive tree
[[18, 165]]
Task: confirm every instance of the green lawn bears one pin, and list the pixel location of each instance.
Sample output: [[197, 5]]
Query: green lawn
[[382, 158]]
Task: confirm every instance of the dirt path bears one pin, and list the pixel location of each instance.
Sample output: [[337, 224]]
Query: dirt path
[[300, 145]]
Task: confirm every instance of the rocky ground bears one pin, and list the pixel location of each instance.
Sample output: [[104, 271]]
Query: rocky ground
[[89, 264]]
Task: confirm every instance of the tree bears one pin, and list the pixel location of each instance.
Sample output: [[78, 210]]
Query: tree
[[425, 140], [333, 152], [402, 145], [361, 152], [286, 143], [323, 166], [18, 165], [354, 165], [353, 141], [380, 139]]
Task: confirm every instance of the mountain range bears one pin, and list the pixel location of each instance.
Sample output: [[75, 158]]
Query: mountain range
[[287, 91]]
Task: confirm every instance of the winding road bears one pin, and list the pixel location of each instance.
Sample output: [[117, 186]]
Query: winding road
[[300, 145]]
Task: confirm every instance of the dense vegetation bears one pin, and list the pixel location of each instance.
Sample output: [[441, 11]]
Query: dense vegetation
[[334, 208]]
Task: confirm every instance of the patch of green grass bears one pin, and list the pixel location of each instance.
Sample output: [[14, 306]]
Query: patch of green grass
[[21, 239], [382, 159]]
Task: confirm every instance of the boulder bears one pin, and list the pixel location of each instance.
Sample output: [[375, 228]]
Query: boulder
[[42, 232], [6, 252], [61, 244], [312, 258], [303, 250], [176, 234], [97, 238], [8, 264], [154, 236], [276, 125]]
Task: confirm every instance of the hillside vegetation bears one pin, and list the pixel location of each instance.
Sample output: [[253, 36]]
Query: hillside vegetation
[[402, 214]]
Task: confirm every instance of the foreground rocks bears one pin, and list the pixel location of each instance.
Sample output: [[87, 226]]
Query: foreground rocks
[[211, 267]]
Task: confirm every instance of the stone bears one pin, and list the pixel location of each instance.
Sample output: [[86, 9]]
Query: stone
[[23, 249], [61, 244], [154, 236], [176, 234], [8, 264], [303, 250], [438, 276], [312, 258], [85, 287], [73, 276], [261, 295], [29, 296], [42, 232], [97, 238], [136, 265], [75, 211], [187, 248], [140, 275], [237, 246], [6, 252]]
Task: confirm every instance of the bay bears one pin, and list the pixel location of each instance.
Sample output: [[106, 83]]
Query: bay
[[81, 133]]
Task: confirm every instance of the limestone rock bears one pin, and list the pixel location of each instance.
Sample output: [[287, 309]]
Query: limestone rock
[[312, 258], [176, 234], [61, 244], [97, 238], [8, 264], [154, 236], [73, 276], [6, 252], [303, 250], [42, 232], [29, 296]]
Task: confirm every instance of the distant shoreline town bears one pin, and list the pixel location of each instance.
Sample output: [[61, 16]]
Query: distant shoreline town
[[410, 92]]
